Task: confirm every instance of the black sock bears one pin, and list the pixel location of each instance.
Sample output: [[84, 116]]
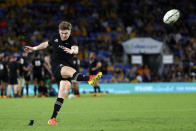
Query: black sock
[[97, 88], [79, 77], [35, 90], [5, 91], [27, 89], [1, 92], [57, 107], [15, 95], [22, 91]]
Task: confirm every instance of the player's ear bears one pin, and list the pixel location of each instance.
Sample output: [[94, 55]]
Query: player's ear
[[69, 32]]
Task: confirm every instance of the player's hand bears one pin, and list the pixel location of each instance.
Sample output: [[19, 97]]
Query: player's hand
[[67, 50], [28, 49]]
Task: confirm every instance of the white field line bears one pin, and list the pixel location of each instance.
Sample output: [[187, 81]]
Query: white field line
[[105, 111], [131, 111]]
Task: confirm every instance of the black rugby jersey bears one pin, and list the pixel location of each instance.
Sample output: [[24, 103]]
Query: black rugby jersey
[[92, 64], [38, 64], [3, 68], [58, 54], [22, 63], [13, 67]]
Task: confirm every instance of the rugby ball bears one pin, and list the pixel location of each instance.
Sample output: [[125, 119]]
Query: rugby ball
[[171, 16], [71, 96]]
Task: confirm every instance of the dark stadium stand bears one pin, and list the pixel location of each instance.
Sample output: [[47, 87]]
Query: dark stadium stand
[[102, 26]]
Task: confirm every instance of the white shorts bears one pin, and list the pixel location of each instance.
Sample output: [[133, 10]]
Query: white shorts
[[21, 82]]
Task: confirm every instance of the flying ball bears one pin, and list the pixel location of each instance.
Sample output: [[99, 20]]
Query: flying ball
[[171, 16]]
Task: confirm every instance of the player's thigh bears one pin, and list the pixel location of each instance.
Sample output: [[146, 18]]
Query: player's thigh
[[67, 71], [19, 81], [3, 85], [23, 82]]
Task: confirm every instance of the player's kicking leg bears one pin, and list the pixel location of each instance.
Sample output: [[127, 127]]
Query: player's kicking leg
[[68, 72], [93, 78]]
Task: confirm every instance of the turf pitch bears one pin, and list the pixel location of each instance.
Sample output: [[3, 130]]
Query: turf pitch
[[111, 112]]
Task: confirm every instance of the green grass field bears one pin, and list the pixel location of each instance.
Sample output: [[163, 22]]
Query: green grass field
[[127, 112]]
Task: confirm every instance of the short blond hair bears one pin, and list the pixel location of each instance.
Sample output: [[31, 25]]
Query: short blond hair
[[64, 25]]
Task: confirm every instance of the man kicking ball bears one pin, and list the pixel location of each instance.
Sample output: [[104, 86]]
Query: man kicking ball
[[64, 48]]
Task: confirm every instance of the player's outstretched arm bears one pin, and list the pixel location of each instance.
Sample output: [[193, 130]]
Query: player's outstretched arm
[[41, 46]]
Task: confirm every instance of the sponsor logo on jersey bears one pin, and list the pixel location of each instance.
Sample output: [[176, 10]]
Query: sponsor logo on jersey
[[61, 65], [61, 46], [56, 40]]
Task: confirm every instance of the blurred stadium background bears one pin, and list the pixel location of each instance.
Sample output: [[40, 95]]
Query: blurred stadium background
[[105, 29], [138, 51]]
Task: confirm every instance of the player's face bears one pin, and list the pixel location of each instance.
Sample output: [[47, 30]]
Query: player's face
[[92, 55], [64, 34]]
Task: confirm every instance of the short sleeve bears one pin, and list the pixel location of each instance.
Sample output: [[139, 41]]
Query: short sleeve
[[53, 39], [50, 41], [73, 41]]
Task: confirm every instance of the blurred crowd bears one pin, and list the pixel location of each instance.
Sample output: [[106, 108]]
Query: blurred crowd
[[102, 26], [18, 71]]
